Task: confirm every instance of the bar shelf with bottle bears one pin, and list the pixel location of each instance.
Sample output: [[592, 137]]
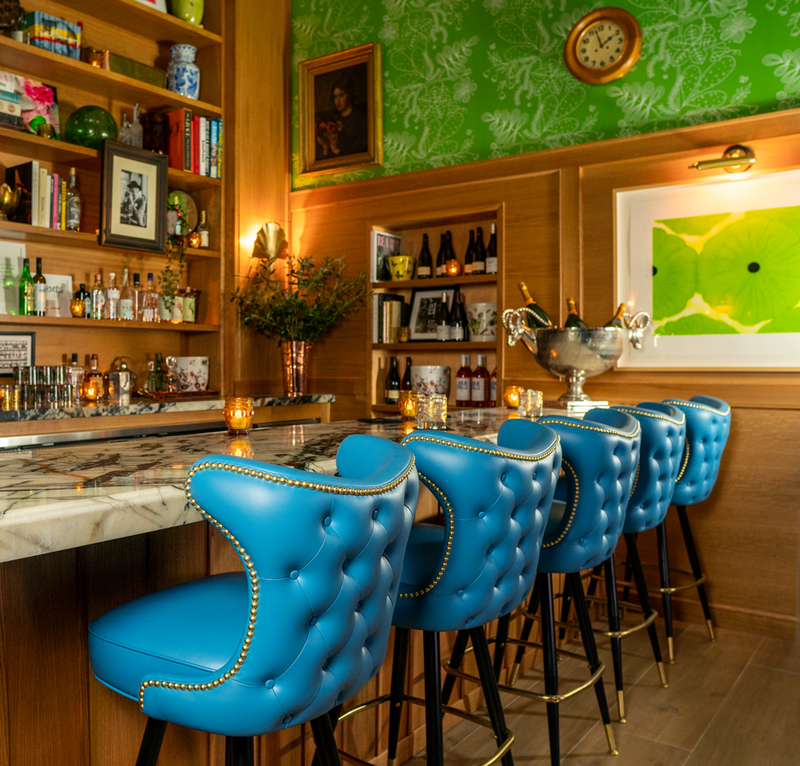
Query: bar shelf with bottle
[[110, 324], [463, 280], [449, 345]]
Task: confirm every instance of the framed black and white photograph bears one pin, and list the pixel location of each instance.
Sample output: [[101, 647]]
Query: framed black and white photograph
[[134, 198], [16, 349], [341, 111], [424, 302]]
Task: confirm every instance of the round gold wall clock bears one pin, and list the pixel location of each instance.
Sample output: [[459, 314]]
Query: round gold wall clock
[[603, 46]]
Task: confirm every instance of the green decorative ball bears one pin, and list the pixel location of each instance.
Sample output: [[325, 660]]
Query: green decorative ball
[[90, 126]]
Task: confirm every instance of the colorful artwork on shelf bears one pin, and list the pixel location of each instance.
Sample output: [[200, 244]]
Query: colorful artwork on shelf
[[158, 5], [38, 103]]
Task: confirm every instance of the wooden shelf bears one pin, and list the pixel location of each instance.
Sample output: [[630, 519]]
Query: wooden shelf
[[161, 27], [433, 345], [180, 179], [6, 319], [27, 233], [201, 253], [53, 68], [444, 282]]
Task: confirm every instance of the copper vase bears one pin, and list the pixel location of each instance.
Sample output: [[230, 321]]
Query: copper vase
[[294, 356]]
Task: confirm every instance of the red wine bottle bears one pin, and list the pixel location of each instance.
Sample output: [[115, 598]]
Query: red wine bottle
[[459, 328], [491, 252], [406, 384], [424, 262], [442, 320], [392, 389], [441, 256], [469, 256], [479, 257]]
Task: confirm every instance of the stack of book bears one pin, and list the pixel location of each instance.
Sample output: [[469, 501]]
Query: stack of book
[[44, 195], [195, 143]]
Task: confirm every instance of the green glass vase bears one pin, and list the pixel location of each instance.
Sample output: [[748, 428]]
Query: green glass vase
[[188, 10], [90, 126]]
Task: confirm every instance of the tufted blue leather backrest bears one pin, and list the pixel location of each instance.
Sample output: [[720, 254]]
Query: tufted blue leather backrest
[[600, 455], [324, 556], [663, 437], [495, 502], [708, 422]]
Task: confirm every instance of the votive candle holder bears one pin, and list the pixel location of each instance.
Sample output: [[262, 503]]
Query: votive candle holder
[[238, 415], [408, 404]]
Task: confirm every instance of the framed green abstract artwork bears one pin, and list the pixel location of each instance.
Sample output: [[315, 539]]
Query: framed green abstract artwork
[[717, 265]]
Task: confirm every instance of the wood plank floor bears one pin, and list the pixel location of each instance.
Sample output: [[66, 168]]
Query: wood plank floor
[[732, 703]]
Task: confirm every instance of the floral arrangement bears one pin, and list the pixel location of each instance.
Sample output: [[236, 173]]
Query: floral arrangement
[[325, 131], [169, 280]]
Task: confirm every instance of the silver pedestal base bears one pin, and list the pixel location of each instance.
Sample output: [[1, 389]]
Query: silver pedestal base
[[581, 406]]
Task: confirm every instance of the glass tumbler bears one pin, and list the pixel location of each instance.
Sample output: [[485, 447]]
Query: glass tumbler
[[530, 404], [432, 412]]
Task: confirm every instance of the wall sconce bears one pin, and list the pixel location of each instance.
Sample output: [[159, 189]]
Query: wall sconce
[[270, 242], [735, 159]]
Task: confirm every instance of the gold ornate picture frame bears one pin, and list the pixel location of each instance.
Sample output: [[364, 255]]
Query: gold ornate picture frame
[[341, 111]]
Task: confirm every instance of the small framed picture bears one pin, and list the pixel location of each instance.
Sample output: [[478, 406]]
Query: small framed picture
[[424, 302], [134, 198], [16, 349], [341, 111]]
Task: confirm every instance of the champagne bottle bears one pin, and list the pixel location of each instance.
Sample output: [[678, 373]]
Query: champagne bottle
[[458, 319], [441, 256], [480, 384], [406, 383], [39, 291], [573, 319], [392, 389], [125, 298], [464, 383], [479, 257], [540, 316], [112, 298], [618, 320], [26, 289], [73, 203], [98, 298], [424, 262], [491, 252], [442, 320], [469, 256]]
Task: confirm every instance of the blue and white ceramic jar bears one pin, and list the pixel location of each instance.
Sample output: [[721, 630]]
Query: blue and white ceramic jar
[[183, 75]]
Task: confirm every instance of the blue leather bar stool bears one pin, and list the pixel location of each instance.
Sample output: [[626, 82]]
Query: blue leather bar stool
[[299, 631], [708, 423], [599, 456], [478, 566]]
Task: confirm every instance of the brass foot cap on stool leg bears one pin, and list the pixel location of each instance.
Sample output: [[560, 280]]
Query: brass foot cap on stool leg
[[671, 650], [513, 676], [662, 674], [612, 745], [392, 762], [711, 632], [621, 705]]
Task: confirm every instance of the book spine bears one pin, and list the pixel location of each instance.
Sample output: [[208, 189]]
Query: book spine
[[62, 205], [56, 187], [203, 146], [42, 201], [34, 193], [220, 146], [195, 145], [214, 148], [48, 194], [187, 140]]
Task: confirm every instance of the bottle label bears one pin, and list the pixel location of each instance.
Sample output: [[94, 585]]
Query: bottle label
[[457, 332], [148, 315], [73, 214], [392, 396], [189, 309], [203, 238], [468, 268], [463, 392], [491, 265], [126, 308], [442, 332], [478, 390], [423, 271], [478, 267], [39, 299], [440, 271], [494, 389]]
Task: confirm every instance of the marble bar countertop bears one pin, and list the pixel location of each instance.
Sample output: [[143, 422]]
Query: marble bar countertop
[[57, 498], [150, 407]]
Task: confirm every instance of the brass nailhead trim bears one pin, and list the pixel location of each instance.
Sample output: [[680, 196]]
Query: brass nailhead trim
[[679, 403], [687, 450], [641, 413], [574, 506], [635, 479], [608, 430], [487, 450]]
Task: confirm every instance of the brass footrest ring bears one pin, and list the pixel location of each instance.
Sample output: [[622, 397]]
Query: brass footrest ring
[[623, 633]]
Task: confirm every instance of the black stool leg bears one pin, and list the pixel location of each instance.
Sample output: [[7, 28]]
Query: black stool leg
[[397, 690], [613, 626], [333, 715], [239, 751], [589, 646], [545, 582], [635, 563], [533, 605], [434, 734], [322, 730], [500, 640], [688, 538], [566, 603], [663, 565], [151, 742], [459, 648], [490, 691]]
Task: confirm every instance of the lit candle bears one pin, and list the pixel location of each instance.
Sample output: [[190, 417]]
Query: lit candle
[[238, 414], [407, 404], [511, 396], [452, 268]]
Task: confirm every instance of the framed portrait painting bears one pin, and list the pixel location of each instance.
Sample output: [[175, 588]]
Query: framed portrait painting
[[341, 111], [424, 302], [134, 198]]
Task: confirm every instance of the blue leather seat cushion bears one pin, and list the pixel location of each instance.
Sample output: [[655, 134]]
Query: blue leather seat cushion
[[189, 629], [424, 551], [555, 519]]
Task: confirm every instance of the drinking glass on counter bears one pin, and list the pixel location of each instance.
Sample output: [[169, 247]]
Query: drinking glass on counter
[[530, 404], [432, 412]]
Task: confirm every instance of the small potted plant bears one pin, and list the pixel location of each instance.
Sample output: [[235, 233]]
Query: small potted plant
[[170, 308]]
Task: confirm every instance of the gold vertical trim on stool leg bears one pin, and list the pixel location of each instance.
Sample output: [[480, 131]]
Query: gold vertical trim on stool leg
[[671, 649], [612, 745], [711, 632], [621, 705], [514, 675], [662, 674]]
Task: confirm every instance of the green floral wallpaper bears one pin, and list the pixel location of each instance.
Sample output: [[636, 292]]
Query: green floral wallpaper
[[469, 80]]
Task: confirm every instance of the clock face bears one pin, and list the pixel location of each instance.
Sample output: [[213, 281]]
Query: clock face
[[601, 45]]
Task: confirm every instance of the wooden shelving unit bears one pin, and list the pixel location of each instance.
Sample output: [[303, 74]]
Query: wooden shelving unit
[[107, 324], [441, 346]]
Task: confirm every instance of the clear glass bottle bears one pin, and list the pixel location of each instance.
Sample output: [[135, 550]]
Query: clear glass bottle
[[464, 383], [125, 298], [75, 373], [39, 291], [93, 382], [189, 299], [137, 134], [125, 135], [392, 388], [112, 298], [481, 386], [26, 289], [73, 203], [98, 298], [202, 230], [136, 299], [149, 312]]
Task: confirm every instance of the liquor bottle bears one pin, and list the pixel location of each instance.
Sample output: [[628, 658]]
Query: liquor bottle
[[442, 320], [76, 373], [493, 397], [202, 230], [469, 256], [155, 376], [149, 302], [39, 291], [84, 295], [618, 320], [98, 298], [125, 135], [458, 319], [450, 254], [464, 383], [136, 297], [441, 256], [491, 252], [424, 262], [137, 133], [93, 382], [26, 289], [480, 384], [112, 298], [392, 388], [73, 203], [479, 257], [573, 320], [540, 316], [406, 383], [125, 298]]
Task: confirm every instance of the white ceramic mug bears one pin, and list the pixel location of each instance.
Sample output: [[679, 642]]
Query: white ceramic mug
[[482, 320], [430, 379], [191, 373]]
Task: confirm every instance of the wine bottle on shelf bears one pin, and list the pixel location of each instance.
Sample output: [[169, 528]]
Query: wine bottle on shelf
[[491, 252], [202, 230], [441, 256], [73, 203], [493, 397], [573, 319], [112, 298], [392, 388], [136, 298], [479, 257], [39, 291], [26, 289], [424, 262], [149, 312], [442, 320], [540, 316], [93, 382], [469, 256], [458, 319], [98, 298], [464, 383], [480, 384], [450, 254], [405, 385], [618, 320]]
